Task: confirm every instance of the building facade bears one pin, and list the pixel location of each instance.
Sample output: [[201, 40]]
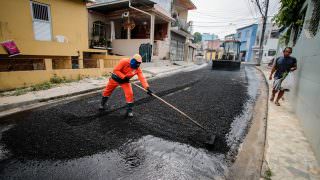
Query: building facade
[[270, 43], [181, 47], [209, 37], [304, 97], [213, 51], [131, 27], [52, 37], [247, 36]]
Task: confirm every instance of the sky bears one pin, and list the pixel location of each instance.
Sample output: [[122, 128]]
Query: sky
[[223, 17]]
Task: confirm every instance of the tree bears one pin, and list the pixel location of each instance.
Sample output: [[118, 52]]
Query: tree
[[197, 37]]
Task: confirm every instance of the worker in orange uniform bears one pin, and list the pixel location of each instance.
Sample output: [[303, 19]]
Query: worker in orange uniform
[[121, 75]]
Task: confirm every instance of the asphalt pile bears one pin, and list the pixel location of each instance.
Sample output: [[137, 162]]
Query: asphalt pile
[[77, 129]]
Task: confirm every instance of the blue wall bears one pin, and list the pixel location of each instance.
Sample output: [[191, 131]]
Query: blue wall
[[247, 39], [208, 37]]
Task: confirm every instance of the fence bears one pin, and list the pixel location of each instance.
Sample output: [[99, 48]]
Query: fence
[[91, 63], [40, 70], [21, 64]]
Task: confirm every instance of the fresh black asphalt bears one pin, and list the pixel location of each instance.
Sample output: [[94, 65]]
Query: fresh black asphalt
[[77, 129]]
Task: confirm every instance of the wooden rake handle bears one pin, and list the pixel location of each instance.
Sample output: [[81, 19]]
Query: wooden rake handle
[[173, 107]]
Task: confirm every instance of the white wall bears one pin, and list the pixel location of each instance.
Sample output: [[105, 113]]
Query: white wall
[[306, 95], [272, 44], [127, 47], [163, 49]]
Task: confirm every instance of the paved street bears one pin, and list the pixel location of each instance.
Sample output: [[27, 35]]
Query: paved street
[[73, 140]]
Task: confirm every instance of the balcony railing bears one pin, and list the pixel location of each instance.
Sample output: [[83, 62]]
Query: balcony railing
[[182, 25]]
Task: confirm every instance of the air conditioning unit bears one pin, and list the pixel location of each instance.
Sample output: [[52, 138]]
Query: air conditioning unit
[[125, 14]]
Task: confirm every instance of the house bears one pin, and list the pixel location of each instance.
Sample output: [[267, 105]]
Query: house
[[157, 29], [247, 36], [181, 48], [208, 36], [304, 97], [270, 43], [52, 38], [213, 49], [131, 27]]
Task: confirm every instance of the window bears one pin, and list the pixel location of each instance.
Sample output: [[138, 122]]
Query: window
[[99, 29], [297, 29], [239, 35], [41, 21], [272, 52], [274, 34], [315, 18]]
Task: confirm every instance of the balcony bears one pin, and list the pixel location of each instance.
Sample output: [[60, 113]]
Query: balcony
[[182, 25]]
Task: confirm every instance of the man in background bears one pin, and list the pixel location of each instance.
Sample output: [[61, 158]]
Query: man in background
[[281, 67]]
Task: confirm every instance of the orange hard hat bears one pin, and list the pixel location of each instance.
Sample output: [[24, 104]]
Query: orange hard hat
[[137, 57]]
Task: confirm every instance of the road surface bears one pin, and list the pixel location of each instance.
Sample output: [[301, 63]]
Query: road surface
[[73, 140]]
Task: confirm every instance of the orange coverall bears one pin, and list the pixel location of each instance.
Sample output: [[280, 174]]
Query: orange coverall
[[122, 70]]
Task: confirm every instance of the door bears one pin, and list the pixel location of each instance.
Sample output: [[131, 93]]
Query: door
[[176, 50]]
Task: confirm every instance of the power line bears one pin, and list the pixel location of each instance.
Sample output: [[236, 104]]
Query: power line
[[216, 22], [208, 15], [249, 7]]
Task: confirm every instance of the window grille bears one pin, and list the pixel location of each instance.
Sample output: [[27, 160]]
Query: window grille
[[40, 12], [41, 21], [297, 29], [315, 18]]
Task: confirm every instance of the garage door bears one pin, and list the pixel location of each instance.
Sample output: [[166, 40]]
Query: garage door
[[176, 50]]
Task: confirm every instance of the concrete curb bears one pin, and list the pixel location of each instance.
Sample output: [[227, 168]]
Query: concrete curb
[[14, 108], [264, 165], [250, 158]]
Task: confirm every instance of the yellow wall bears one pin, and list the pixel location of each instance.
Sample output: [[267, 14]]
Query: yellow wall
[[69, 18], [28, 78], [16, 79], [208, 56]]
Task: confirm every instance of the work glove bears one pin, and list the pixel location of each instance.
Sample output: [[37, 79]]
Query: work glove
[[149, 91]]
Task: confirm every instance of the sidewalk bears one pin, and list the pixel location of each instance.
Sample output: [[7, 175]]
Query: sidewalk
[[288, 153], [84, 86]]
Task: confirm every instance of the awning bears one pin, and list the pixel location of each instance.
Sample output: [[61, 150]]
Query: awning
[[114, 5]]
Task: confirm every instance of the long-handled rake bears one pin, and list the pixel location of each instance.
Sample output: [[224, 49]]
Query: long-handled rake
[[210, 137]]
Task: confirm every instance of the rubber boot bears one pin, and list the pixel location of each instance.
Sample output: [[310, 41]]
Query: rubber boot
[[129, 110], [103, 103]]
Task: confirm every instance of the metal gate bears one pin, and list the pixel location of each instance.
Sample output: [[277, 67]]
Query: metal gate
[[176, 50], [145, 50]]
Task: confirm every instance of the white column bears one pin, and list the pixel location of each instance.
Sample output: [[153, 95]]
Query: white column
[[113, 36], [152, 29], [152, 21], [169, 31], [128, 33]]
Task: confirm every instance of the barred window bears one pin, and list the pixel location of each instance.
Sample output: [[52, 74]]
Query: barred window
[[315, 18], [297, 29], [40, 11], [41, 21]]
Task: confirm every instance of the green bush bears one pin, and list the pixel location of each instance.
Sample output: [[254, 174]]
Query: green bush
[[56, 79], [42, 86], [20, 91]]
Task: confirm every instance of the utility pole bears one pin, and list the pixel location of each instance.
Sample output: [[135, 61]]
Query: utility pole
[[264, 23]]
